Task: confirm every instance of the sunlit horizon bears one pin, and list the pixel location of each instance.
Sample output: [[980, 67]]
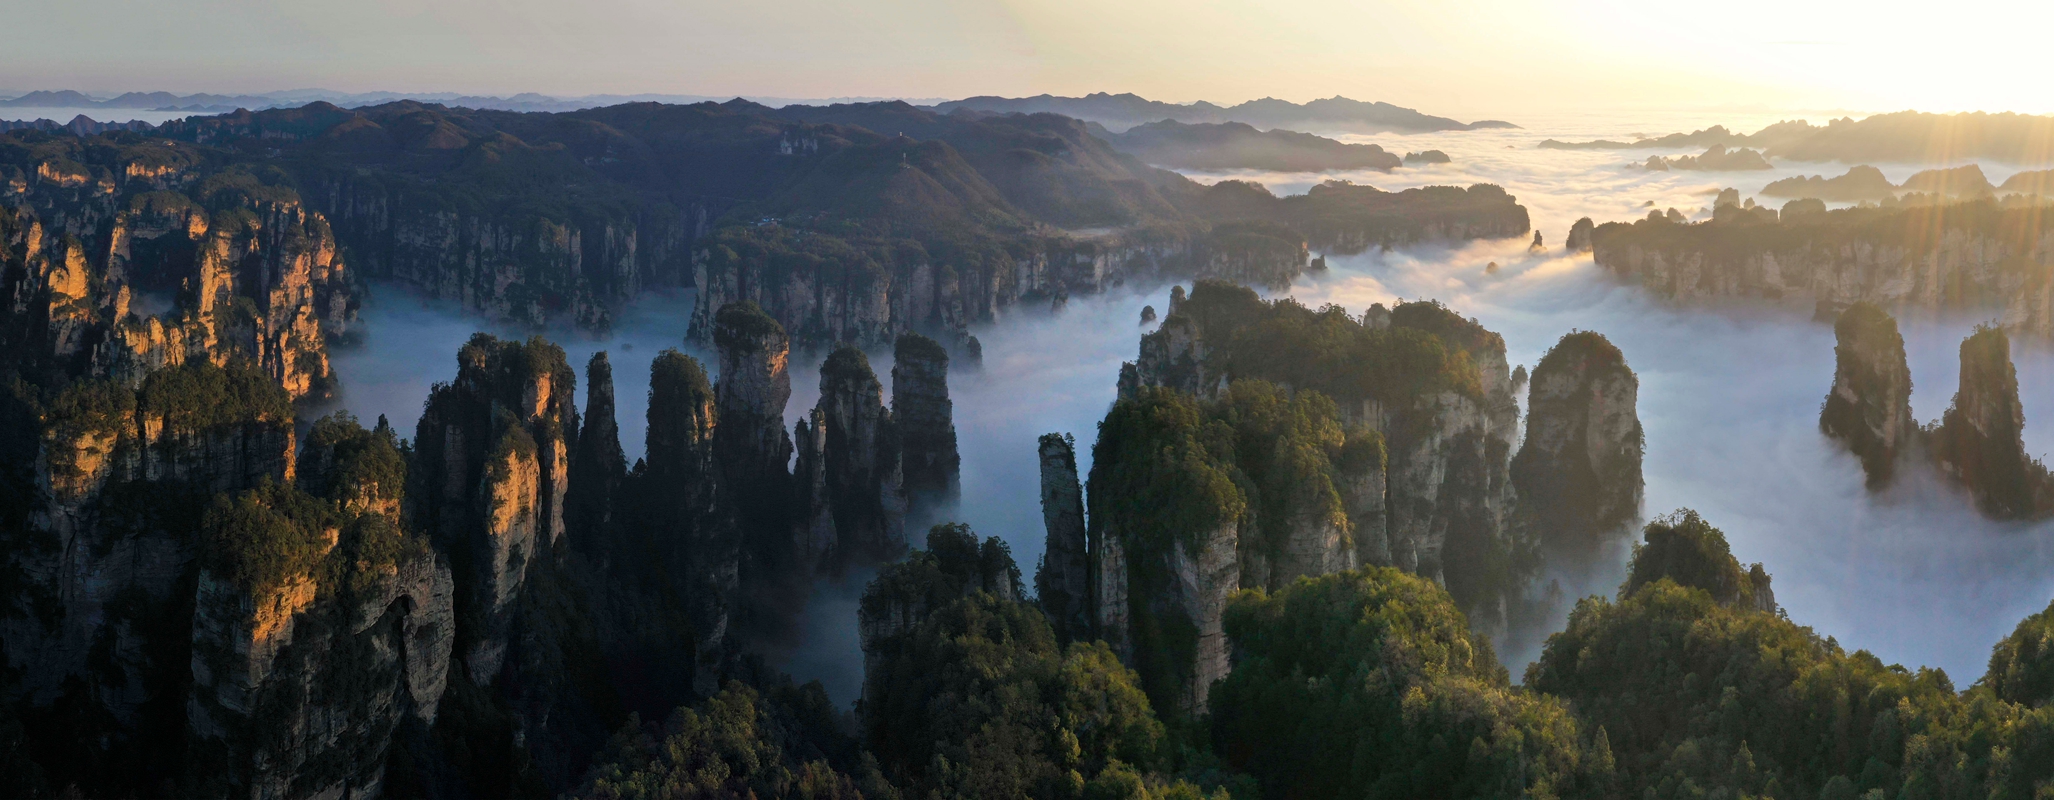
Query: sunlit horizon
[[1481, 59]]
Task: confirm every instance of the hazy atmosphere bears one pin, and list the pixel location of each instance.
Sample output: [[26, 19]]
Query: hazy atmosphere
[[1026, 399], [1472, 58]]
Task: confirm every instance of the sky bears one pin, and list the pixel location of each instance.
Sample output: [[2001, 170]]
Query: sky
[[1464, 58]]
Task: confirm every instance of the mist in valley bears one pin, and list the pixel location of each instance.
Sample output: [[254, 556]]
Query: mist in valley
[[1729, 397]]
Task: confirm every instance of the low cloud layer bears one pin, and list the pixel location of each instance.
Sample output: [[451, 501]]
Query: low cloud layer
[[1729, 398]]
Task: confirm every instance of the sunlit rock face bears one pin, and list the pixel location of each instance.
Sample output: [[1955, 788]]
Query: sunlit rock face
[[492, 459], [122, 259], [1979, 441], [300, 685], [1869, 407], [1973, 255], [116, 478], [301, 675], [1578, 473]]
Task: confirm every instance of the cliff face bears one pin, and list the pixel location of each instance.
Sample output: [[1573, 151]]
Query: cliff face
[[493, 450], [1979, 441], [118, 477], [1450, 493], [1417, 480], [1869, 407], [1294, 439], [1578, 474], [509, 264], [926, 421], [822, 292], [1972, 255], [301, 677], [121, 260]]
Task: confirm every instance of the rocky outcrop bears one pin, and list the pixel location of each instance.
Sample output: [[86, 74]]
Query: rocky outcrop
[[1338, 217], [1420, 481], [492, 452], [100, 243], [1578, 240], [1869, 407], [117, 474], [1063, 581], [1236, 145], [1973, 255], [926, 422], [1362, 479], [1715, 158], [1578, 473], [1201, 580], [853, 445], [1979, 441], [1450, 493], [300, 683], [1860, 183]]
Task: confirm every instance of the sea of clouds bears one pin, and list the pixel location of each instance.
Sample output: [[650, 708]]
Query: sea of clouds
[[1729, 397]]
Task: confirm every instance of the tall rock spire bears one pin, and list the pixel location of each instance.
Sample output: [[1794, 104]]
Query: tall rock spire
[[1063, 581], [598, 466], [1980, 441], [1869, 408], [926, 420], [751, 443], [850, 470], [1578, 474]]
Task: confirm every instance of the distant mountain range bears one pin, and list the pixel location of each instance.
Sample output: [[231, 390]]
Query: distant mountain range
[[1905, 137], [1115, 112], [1122, 111], [526, 101]]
